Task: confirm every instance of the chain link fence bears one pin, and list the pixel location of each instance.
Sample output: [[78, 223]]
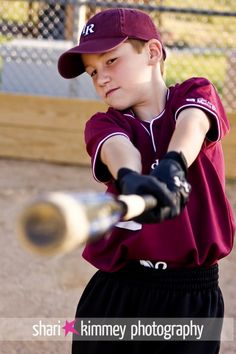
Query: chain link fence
[[200, 38]]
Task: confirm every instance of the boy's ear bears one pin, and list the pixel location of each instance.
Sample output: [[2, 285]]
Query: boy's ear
[[155, 51]]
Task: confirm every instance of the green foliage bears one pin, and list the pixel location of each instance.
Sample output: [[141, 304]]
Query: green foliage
[[181, 66]]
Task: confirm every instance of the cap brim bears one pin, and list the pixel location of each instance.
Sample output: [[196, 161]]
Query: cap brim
[[70, 64]]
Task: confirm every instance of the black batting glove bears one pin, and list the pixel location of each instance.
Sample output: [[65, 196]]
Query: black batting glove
[[131, 182], [172, 171]]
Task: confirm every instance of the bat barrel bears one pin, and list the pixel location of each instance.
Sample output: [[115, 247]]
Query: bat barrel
[[58, 222], [42, 227]]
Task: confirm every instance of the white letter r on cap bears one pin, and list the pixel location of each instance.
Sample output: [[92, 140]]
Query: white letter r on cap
[[88, 29]]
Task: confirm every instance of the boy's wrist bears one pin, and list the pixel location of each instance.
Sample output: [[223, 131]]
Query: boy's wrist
[[179, 158], [123, 171], [172, 170]]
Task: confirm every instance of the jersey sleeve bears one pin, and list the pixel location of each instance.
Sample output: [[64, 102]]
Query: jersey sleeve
[[201, 93], [98, 129]]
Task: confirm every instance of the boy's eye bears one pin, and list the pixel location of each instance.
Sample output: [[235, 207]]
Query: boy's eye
[[110, 61], [93, 73]]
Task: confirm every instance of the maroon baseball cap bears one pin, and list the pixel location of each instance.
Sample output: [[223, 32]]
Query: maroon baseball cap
[[103, 32]]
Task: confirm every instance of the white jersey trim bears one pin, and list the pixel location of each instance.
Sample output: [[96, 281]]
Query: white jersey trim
[[205, 109], [146, 129], [151, 129], [150, 133], [130, 115], [97, 151], [129, 225]]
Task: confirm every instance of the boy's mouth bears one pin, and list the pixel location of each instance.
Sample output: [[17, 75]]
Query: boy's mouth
[[108, 93]]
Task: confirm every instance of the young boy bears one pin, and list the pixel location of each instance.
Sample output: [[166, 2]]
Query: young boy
[[159, 141]]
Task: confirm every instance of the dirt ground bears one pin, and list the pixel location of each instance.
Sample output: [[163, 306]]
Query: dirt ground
[[35, 287]]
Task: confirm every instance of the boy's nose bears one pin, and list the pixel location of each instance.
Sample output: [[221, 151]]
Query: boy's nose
[[103, 78]]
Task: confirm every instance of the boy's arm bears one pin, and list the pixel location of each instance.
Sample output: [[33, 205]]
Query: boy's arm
[[191, 128], [167, 182], [118, 152], [124, 160]]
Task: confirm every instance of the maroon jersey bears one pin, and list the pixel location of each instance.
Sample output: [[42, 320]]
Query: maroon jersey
[[203, 233]]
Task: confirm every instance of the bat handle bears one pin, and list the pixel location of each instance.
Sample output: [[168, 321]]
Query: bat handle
[[136, 204]]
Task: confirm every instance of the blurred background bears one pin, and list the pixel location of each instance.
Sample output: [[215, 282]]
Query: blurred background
[[199, 36]]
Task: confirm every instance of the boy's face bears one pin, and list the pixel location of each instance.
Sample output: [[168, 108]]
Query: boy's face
[[121, 76]]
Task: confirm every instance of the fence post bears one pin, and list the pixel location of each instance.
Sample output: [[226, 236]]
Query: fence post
[[79, 19]]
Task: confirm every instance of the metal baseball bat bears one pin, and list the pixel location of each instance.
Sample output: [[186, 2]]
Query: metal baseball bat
[[58, 222]]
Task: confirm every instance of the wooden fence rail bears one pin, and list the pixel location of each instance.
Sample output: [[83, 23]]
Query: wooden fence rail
[[51, 129]]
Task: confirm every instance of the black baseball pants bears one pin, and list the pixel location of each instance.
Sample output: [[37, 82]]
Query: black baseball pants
[[140, 292]]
